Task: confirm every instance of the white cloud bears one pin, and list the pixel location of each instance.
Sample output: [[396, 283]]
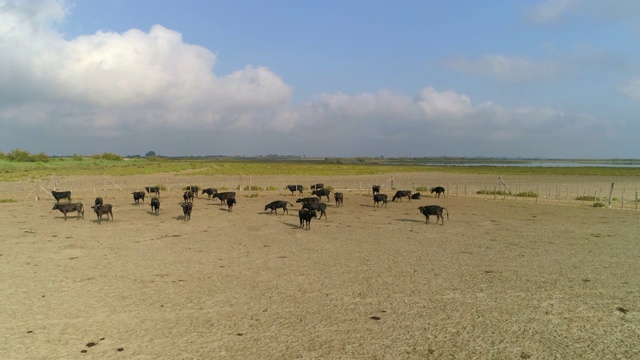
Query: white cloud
[[447, 104], [632, 89], [135, 77], [505, 68], [611, 10]]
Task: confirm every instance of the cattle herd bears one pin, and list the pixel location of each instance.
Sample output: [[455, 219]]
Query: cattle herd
[[312, 207]]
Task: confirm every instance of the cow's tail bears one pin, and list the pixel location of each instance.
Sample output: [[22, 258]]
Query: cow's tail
[[445, 209]]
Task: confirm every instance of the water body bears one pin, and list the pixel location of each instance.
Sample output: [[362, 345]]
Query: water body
[[541, 164]]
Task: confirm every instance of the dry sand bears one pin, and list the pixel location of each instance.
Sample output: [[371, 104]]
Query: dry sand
[[499, 280]]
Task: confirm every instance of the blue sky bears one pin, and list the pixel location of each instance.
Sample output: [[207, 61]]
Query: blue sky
[[554, 78]]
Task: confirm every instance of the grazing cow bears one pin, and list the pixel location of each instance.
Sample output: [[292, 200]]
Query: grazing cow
[[155, 205], [210, 192], [339, 197], [188, 196], [380, 198], [230, 203], [70, 207], [416, 196], [317, 186], [153, 189], [278, 204], [305, 218], [186, 210], [59, 195], [317, 206], [375, 189], [402, 193], [98, 201], [194, 188], [223, 196], [438, 190], [102, 210], [294, 188], [137, 196], [321, 192], [308, 199], [433, 210]]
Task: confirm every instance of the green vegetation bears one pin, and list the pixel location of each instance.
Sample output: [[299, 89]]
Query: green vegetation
[[7, 201], [492, 192], [422, 188], [18, 155], [253, 188], [587, 198], [532, 194], [598, 204], [21, 165]]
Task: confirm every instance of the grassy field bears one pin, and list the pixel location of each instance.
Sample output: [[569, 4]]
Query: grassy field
[[17, 171]]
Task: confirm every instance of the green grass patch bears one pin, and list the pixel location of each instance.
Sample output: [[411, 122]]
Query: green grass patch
[[8, 201], [598, 204], [110, 164], [422, 189]]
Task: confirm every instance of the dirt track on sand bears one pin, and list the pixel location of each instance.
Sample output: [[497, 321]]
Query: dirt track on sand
[[500, 280]]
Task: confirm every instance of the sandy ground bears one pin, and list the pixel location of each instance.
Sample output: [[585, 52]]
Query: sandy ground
[[499, 280]]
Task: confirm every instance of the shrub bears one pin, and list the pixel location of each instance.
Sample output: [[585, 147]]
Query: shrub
[[598, 204], [532, 194], [271, 188], [111, 156], [77, 157], [587, 198], [491, 192], [422, 189], [41, 157]]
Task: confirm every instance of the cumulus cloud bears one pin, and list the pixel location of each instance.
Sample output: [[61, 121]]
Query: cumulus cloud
[[132, 77]]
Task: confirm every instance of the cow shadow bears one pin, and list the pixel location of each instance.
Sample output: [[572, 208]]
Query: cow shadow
[[180, 217], [410, 220]]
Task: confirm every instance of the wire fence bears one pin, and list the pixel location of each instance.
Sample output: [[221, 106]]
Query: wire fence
[[585, 191]]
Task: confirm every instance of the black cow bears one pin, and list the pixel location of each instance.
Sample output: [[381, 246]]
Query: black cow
[[137, 196], [305, 218], [70, 207], [416, 196], [375, 189], [294, 188], [317, 206], [223, 196], [210, 192], [59, 195], [98, 201], [317, 186], [102, 210], [153, 189], [186, 210], [433, 210], [438, 190], [194, 188], [155, 205], [278, 204], [188, 196], [402, 193], [339, 197], [230, 203], [380, 198], [308, 199], [321, 192]]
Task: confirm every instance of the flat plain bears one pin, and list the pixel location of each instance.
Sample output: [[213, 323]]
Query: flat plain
[[503, 278]]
